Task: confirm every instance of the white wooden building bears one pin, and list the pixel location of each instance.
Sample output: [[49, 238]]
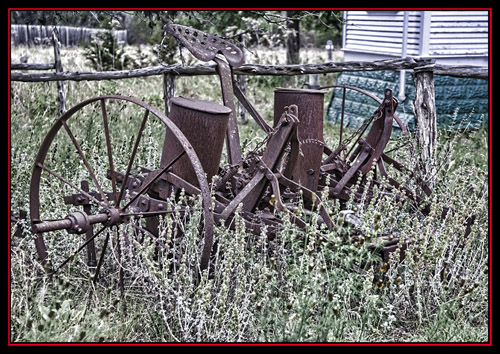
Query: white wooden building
[[451, 37]]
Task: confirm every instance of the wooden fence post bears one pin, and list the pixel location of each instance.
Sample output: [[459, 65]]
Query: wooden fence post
[[424, 106], [61, 94]]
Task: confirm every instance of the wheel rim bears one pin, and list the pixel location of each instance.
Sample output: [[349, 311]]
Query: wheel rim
[[117, 194]]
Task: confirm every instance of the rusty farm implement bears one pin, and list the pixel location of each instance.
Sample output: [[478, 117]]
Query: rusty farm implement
[[292, 166]]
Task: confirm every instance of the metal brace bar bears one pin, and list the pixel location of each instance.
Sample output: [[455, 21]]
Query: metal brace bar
[[232, 136]]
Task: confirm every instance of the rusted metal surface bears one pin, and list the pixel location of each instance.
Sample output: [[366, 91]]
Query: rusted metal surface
[[255, 181], [203, 123], [306, 148], [232, 135], [311, 110], [205, 46], [290, 166]]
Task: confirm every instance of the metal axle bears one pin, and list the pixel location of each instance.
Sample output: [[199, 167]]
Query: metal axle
[[79, 222]]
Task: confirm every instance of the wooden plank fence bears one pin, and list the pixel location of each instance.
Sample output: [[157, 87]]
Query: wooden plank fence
[[69, 36]]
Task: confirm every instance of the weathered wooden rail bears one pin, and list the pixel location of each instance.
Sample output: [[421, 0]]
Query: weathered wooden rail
[[257, 69], [26, 66]]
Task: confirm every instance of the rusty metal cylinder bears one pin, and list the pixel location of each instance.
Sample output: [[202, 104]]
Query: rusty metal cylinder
[[306, 153], [204, 124], [311, 110]]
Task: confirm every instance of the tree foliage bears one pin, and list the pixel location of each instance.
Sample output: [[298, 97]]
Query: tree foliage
[[292, 29], [105, 53], [255, 27], [96, 19]]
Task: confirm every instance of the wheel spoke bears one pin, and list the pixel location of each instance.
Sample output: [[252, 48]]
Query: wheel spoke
[[152, 180], [101, 258], [121, 272], [85, 161], [79, 249], [110, 151], [91, 255], [358, 134], [134, 151], [61, 178]]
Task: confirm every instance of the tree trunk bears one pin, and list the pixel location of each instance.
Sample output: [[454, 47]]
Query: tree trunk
[[424, 106], [292, 38]]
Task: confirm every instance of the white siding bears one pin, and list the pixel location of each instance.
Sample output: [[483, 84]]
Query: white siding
[[458, 33], [436, 34], [381, 32]]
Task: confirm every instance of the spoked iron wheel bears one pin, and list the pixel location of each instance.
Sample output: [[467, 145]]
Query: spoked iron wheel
[[364, 150], [363, 128], [87, 180]]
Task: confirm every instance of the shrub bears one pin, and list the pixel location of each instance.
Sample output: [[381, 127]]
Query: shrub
[[105, 52]]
